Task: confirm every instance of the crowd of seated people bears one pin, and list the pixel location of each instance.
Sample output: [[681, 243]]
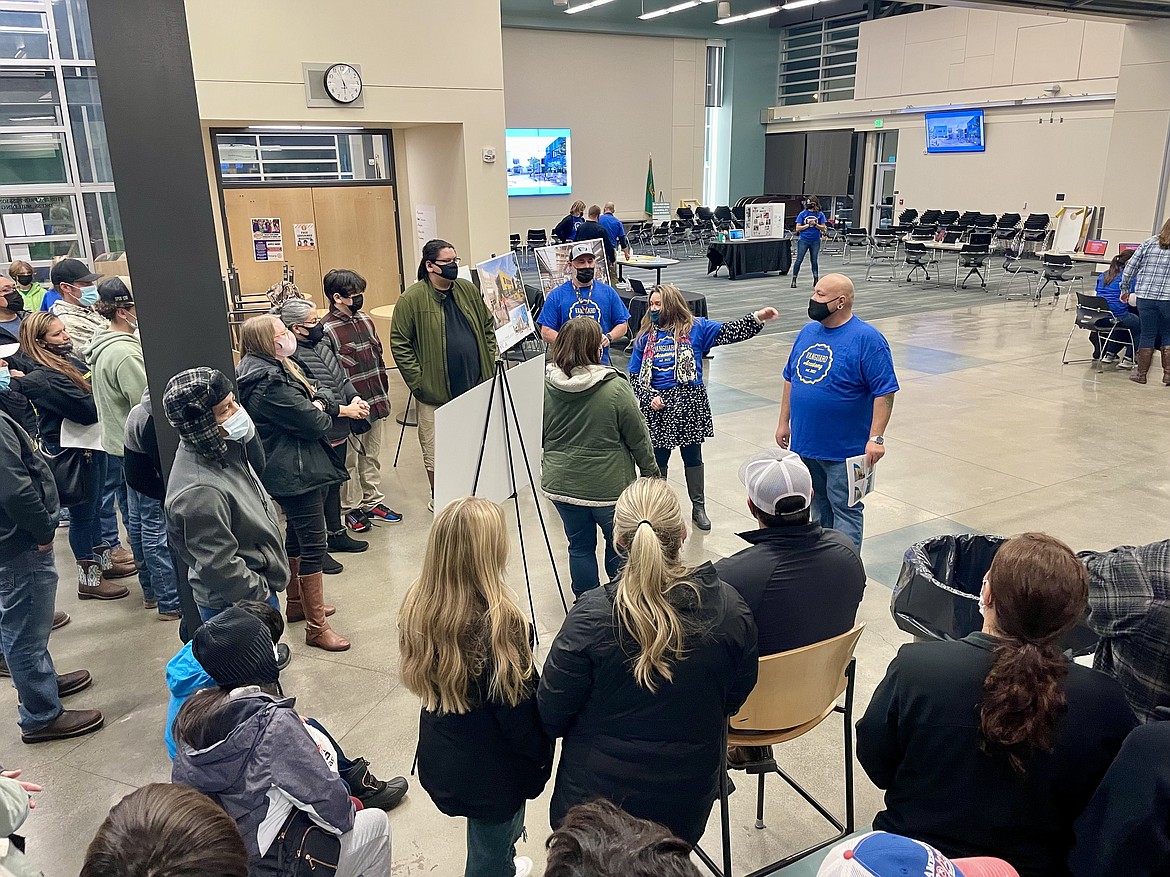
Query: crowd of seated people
[[998, 755]]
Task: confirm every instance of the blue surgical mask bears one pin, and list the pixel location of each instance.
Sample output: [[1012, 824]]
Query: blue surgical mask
[[89, 296], [655, 316], [5, 377], [239, 426]]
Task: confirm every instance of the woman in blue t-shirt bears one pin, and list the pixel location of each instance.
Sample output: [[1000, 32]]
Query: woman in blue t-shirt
[[666, 370], [1109, 288], [810, 222]]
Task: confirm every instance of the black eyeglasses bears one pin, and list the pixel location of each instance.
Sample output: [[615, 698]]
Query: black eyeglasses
[[454, 261]]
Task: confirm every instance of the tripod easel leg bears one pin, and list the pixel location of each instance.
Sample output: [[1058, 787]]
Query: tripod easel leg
[[404, 420]]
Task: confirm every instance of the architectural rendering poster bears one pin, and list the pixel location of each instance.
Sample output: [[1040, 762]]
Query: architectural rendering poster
[[552, 263], [503, 291]]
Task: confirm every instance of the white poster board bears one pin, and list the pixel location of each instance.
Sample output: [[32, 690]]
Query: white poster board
[[426, 224], [553, 267], [763, 221], [503, 293], [459, 426]]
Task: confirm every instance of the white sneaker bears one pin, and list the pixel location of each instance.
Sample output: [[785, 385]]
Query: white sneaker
[[1126, 362], [523, 866], [1109, 358]]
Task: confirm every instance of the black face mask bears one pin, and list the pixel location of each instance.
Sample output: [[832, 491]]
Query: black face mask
[[585, 275], [449, 271], [24, 279], [316, 333], [59, 349], [818, 310], [356, 302], [14, 301]]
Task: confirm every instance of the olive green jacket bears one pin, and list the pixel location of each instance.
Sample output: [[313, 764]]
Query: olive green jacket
[[418, 338]]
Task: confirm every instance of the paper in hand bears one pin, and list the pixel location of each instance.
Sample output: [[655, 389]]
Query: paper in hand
[[861, 478]]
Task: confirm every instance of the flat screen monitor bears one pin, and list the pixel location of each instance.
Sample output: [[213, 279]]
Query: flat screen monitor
[[955, 131], [539, 161]]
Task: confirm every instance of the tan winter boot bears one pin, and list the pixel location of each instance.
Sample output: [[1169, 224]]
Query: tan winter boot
[[91, 585], [1145, 356], [317, 630]]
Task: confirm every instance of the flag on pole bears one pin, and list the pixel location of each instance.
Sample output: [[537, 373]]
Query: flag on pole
[[650, 187]]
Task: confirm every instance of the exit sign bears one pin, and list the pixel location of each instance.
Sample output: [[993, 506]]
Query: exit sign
[[877, 123]]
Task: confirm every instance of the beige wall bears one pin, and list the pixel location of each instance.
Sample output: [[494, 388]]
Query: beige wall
[[247, 57], [645, 96]]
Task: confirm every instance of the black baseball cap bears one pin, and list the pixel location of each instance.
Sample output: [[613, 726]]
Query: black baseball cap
[[116, 291], [72, 271]]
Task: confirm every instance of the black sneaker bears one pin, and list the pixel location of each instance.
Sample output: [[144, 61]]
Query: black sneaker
[[283, 656], [371, 791], [357, 521], [341, 541], [331, 567]]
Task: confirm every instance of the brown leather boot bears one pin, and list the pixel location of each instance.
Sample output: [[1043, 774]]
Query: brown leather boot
[[111, 568], [1145, 356], [1166, 366], [91, 585], [317, 630], [293, 609]]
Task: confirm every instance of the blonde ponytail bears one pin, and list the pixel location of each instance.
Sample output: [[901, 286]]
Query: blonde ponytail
[[648, 521]]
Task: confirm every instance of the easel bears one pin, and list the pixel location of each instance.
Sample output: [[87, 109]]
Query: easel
[[500, 383], [405, 421]]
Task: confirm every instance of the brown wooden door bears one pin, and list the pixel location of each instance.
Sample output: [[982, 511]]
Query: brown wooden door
[[290, 206]]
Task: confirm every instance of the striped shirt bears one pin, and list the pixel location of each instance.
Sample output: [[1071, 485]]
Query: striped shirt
[[360, 352], [1148, 273]]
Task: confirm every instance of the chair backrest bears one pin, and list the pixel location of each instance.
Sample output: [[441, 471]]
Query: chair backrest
[[857, 235], [514, 239], [797, 687], [639, 289], [1061, 260], [911, 248], [1092, 311], [1036, 221], [907, 216], [948, 217], [930, 217], [1008, 220], [705, 213], [686, 214], [537, 236]]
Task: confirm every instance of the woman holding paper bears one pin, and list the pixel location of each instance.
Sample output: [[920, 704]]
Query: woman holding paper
[[666, 369], [58, 385]]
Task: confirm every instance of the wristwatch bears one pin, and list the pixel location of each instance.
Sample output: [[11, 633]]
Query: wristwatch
[[878, 439]]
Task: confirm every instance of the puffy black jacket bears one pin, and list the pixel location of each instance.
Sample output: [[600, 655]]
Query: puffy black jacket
[[28, 494], [320, 361], [487, 762], [657, 755], [57, 398], [291, 427]]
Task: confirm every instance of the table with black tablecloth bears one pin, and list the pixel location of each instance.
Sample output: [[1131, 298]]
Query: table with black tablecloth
[[638, 305], [750, 257]]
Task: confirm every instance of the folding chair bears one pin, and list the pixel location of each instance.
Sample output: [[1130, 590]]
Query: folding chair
[[854, 237], [882, 250], [1014, 268], [1093, 315], [794, 693], [1057, 270]]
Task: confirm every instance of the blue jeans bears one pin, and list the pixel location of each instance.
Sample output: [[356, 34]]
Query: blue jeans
[[152, 553], [1155, 317], [491, 846], [28, 592], [206, 613], [581, 523], [85, 531], [813, 248], [830, 502], [1120, 340], [114, 489]]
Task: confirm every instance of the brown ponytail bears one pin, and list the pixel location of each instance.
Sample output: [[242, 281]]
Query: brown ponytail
[[1039, 590]]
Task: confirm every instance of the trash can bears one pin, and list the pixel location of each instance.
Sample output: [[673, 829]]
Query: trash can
[[937, 593]]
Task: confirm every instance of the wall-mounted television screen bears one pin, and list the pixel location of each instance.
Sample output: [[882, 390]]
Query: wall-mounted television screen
[[539, 161], [955, 131]]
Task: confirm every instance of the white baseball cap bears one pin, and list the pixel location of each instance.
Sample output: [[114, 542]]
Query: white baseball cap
[[773, 475], [581, 250], [878, 854]]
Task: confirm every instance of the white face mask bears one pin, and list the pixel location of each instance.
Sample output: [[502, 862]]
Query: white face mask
[[239, 427]]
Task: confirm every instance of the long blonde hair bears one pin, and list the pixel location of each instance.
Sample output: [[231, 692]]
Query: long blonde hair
[[649, 522], [32, 331], [459, 619], [258, 337], [675, 318]]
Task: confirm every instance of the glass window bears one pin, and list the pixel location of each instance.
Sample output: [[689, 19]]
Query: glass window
[[105, 225], [24, 35], [86, 120], [71, 23], [28, 98], [302, 157], [32, 158], [823, 54], [58, 218]]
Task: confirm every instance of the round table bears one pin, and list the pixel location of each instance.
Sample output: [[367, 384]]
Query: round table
[[639, 304]]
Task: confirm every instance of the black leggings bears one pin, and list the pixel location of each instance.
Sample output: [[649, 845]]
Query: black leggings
[[692, 455], [304, 534], [333, 493]]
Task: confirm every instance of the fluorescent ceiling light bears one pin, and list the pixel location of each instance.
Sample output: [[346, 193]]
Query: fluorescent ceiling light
[[798, 4], [303, 128], [678, 7], [768, 10], [592, 4]]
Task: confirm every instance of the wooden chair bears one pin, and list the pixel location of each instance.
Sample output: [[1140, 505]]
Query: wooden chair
[[794, 693]]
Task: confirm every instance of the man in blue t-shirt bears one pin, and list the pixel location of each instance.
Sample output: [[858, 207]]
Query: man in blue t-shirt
[[839, 387], [613, 225], [810, 223], [582, 296]]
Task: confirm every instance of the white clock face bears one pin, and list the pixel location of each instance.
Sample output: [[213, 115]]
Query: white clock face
[[343, 83]]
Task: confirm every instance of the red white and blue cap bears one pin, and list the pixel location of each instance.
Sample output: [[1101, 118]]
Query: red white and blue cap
[[878, 854]]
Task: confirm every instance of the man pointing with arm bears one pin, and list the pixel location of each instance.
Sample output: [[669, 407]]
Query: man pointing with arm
[[839, 387]]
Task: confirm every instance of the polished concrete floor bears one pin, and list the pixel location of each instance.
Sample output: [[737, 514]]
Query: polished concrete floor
[[990, 433]]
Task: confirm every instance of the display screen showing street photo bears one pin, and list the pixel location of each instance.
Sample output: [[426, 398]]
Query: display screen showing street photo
[[539, 161], [955, 131]]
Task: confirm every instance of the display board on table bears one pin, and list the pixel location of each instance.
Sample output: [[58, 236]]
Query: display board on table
[[553, 267], [503, 293], [763, 221]]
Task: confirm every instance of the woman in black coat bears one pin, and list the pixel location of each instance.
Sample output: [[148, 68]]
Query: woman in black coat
[[293, 418], [644, 674], [993, 745]]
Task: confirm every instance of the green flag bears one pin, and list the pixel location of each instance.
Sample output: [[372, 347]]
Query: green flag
[[650, 187]]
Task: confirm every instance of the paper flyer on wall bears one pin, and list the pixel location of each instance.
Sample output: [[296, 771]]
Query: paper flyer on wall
[[266, 239], [861, 478], [305, 234], [552, 264], [503, 292], [764, 221]]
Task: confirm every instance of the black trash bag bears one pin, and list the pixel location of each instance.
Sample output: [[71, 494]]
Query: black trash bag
[[937, 593]]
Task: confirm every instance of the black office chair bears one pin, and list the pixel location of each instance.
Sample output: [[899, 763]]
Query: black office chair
[[948, 217], [1058, 269], [1014, 268], [537, 238], [1095, 317], [930, 217], [882, 251], [1035, 230], [917, 257], [907, 216], [685, 214], [974, 257]]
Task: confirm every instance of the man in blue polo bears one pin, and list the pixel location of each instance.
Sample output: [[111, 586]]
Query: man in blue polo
[[839, 387], [583, 296]]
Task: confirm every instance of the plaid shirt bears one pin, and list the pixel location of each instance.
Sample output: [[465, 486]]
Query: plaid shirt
[[1148, 273], [1129, 608], [360, 351]]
